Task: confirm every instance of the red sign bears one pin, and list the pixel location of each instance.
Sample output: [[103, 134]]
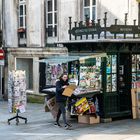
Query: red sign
[[1, 54]]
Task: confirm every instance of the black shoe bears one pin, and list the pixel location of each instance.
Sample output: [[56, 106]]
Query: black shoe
[[57, 124], [67, 127]]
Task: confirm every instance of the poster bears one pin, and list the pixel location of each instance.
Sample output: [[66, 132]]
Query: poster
[[82, 105]]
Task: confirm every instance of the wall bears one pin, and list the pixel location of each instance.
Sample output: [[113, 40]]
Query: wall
[[115, 9], [35, 23], [10, 23], [66, 8]]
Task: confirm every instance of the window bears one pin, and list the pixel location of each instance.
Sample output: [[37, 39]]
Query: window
[[89, 9], [136, 71], [22, 14], [111, 71], [22, 17], [52, 18]]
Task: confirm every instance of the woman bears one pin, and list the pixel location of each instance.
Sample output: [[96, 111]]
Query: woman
[[61, 84]]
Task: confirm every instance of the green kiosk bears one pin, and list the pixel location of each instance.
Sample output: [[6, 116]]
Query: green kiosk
[[119, 70]]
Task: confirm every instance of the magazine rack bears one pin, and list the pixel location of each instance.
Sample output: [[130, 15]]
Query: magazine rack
[[17, 117], [17, 94]]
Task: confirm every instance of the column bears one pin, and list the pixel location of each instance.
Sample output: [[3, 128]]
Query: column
[[35, 75], [35, 23], [10, 23]]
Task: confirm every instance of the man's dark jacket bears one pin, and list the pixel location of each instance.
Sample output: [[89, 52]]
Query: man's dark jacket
[[59, 91]]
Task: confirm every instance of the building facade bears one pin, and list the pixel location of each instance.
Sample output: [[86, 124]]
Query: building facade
[[31, 27]]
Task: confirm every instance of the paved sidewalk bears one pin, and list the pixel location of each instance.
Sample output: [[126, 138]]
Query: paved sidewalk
[[40, 127]]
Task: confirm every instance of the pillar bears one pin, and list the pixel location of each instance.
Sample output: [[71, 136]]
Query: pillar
[[35, 23], [10, 24], [35, 75]]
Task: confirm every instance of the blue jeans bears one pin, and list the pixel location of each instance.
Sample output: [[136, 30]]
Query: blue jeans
[[62, 111]]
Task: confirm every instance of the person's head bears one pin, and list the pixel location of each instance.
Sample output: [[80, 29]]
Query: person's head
[[64, 77]]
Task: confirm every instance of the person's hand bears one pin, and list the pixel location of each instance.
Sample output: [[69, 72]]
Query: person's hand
[[64, 86]]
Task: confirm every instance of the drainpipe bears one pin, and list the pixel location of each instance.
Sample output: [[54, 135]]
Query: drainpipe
[[138, 13]]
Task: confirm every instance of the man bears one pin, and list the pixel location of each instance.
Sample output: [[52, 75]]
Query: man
[[61, 84]]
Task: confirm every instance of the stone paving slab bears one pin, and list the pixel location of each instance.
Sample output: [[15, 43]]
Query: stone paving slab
[[40, 127]]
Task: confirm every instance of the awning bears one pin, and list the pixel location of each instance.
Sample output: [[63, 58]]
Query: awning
[[71, 57]]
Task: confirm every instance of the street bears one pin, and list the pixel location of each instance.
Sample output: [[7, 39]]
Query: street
[[40, 127]]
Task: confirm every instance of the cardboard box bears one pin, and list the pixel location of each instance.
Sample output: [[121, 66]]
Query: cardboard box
[[69, 90], [136, 112], [82, 105], [138, 96], [94, 120], [135, 97], [88, 119], [83, 119]]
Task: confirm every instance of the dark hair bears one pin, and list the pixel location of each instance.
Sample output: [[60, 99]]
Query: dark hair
[[60, 78]]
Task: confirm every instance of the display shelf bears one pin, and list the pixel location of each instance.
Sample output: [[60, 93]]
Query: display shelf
[[89, 94]]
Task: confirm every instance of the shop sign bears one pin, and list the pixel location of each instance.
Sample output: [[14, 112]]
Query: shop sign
[[113, 29], [84, 30], [121, 29]]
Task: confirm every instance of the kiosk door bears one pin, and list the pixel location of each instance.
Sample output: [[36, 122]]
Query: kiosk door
[[124, 81]]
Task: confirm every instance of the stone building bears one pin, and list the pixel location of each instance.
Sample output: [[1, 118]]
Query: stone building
[[31, 27]]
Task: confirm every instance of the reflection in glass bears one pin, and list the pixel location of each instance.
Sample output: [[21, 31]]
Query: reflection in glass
[[86, 2]]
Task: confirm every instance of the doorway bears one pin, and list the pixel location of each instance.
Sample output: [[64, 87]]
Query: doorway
[[124, 81]]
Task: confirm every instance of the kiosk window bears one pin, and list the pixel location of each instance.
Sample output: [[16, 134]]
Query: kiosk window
[[135, 71], [111, 70]]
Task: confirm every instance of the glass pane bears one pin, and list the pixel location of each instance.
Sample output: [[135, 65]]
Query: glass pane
[[133, 77], [109, 83], [138, 62], [25, 21], [25, 9], [93, 2], [21, 35], [49, 5], [55, 16], [50, 31], [55, 5], [134, 58], [50, 18], [114, 65], [138, 76], [55, 30], [87, 12], [114, 82], [86, 2], [21, 22], [108, 69], [21, 10], [93, 13]]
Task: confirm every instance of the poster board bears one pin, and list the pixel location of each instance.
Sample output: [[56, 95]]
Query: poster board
[[17, 91], [135, 97], [53, 106]]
